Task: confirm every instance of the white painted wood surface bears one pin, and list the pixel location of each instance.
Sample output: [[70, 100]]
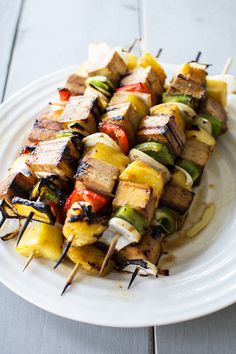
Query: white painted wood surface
[[54, 34]]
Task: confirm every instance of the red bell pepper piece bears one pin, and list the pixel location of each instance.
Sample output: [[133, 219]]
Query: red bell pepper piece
[[139, 87], [59, 212], [64, 94], [86, 195], [117, 133]]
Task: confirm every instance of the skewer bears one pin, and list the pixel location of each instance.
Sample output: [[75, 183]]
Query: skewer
[[134, 275], [227, 66], [65, 250], [2, 221], [26, 223], [109, 252], [198, 56], [159, 53], [133, 44], [28, 261], [71, 278]]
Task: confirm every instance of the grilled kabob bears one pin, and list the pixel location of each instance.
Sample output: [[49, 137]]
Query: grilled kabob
[[177, 196], [55, 143], [103, 162]]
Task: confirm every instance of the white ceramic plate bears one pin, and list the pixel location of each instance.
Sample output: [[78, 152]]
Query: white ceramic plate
[[202, 278]]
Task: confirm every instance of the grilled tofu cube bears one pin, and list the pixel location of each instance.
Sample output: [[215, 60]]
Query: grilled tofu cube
[[15, 184], [83, 225], [81, 112], [44, 240], [107, 154], [97, 175], [44, 129], [90, 258], [177, 198], [211, 106], [162, 128], [76, 84], [187, 86], [196, 152], [102, 99], [118, 115], [137, 196], [171, 109], [146, 76], [127, 111], [141, 101], [110, 65], [140, 172], [58, 156]]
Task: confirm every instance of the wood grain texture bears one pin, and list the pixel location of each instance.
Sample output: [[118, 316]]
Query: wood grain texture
[[56, 34], [9, 10], [214, 334], [52, 35], [184, 27]]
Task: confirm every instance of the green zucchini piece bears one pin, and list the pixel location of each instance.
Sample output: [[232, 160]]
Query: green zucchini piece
[[177, 97], [133, 217], [158, 151]]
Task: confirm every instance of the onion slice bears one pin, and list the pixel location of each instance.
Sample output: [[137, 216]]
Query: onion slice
[[189, 180], [127, 231], [93, 139], [145, 267], [136, 154]]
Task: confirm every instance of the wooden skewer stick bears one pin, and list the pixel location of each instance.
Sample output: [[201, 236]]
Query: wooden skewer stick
[[71, 278], [227, 66], [2, 220], [109, 252], [65, 250], [198, 56], [28, 261], [26, 223], [134, 275], [133, 44], [159, 53]]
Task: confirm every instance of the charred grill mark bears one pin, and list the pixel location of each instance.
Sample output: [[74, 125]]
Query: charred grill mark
[[82, 168]]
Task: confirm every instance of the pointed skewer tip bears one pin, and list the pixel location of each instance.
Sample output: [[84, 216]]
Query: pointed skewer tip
[[134, 275], [71, 278], [28, 261], [26, 223], [109, 253], [64, 253]]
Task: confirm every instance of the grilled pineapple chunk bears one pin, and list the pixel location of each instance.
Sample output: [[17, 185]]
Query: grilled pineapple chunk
[[107, 154], [203, 136], [217, 89], [90, 258], [194, 71], [170, 109], [83, 224], [43, 239], [131, 61], [148, 60], [140, 172]]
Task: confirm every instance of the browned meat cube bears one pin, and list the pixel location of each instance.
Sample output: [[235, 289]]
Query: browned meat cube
[[81, 112], [162, 128], [187, 86], [76, 84], [146, 76], [16, 184], [110, 65], [177, 198], [97, 175], [196, 152], [211, 106], [59, 156], [137, 196]]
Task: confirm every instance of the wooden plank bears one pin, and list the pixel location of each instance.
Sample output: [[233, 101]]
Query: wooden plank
[[213, 334], [26, 329], [53, 35], [184, 27], [10, 11]]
